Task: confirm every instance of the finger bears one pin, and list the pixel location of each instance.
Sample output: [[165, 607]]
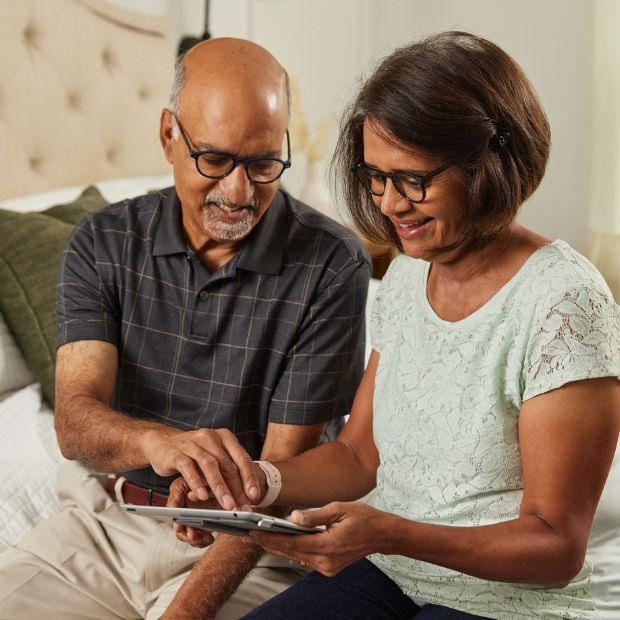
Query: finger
[[244, 462], [319, 516], [177, 495], [186, 466], [181, 533], [199, 537], [210, 442], [210, 469], [235, 485], [275, 541]]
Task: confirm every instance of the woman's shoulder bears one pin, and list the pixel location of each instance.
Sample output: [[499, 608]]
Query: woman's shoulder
[[558, 268]]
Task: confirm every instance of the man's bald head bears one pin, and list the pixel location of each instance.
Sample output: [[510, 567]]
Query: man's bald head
[[236, 65]]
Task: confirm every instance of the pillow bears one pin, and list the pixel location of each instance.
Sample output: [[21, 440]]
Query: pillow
[[29, 256], [112, 191]]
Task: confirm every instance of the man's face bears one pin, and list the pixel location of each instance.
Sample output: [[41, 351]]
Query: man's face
[[227, 209]]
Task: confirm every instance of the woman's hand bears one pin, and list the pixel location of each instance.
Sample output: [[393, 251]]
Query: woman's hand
[[354, 530]]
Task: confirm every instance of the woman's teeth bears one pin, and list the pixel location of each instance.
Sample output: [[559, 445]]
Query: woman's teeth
[[416, 223]]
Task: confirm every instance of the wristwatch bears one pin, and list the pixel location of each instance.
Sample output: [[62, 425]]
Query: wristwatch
[[274, 483]]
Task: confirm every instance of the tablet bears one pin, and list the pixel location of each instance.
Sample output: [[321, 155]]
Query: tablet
[[235, 522]]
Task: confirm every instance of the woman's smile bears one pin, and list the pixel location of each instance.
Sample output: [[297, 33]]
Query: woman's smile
[[408, 229]]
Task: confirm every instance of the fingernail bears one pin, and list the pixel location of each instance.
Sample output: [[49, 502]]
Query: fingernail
[[298, 516], [203, 493], [228, 502], [254, 491]]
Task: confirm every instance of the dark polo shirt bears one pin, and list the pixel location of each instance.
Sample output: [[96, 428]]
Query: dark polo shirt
[[275, 335]]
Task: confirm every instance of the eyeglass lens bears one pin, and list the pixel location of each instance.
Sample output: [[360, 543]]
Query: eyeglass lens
[[259, 170], [409, 187]]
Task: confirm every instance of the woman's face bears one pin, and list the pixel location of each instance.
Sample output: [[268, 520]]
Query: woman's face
[[433, 223]]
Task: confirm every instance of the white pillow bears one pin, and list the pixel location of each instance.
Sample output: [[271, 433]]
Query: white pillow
[[29, 460], [113, 191]]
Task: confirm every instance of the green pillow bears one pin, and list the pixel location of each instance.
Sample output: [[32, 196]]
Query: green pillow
[[30, 249]]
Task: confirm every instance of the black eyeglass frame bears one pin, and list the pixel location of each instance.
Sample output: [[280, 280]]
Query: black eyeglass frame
[[246, 161], [396, 177]]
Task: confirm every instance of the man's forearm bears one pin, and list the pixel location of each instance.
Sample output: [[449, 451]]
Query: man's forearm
[[100, 437]]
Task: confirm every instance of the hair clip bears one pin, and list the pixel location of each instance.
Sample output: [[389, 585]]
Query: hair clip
[[501, 138]]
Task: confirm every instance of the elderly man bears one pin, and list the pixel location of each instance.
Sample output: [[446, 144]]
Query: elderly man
[[200, 327]]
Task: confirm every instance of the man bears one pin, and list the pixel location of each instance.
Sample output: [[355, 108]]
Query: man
[[214, 322]]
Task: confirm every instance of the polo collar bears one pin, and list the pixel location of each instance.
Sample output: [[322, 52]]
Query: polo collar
[[168, 236], [262, 252]]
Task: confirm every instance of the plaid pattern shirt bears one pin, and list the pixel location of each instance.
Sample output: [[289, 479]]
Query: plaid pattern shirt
[[275, 335]]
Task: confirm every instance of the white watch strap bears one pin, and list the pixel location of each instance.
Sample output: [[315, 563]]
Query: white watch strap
[[274, 483]]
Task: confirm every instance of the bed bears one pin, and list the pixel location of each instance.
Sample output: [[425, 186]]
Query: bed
[[83, 84]]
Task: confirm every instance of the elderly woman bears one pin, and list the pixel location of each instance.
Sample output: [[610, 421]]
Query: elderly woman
[[488, 416]]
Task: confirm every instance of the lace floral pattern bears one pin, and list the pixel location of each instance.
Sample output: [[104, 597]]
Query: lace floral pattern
[[446, 409]]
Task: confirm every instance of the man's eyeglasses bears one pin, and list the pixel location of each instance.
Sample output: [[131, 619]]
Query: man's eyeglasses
[[409, 186], [218, 164]]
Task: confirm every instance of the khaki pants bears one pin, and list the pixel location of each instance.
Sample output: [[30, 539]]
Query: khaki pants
[[94, 560]]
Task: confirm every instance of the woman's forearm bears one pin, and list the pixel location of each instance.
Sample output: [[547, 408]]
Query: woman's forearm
[[327, 473], [524, 550]]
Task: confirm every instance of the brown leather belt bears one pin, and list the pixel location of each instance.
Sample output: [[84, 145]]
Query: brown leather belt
[[134, 494]]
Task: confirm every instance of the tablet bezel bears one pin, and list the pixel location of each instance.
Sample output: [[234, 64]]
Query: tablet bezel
[[236, 522]]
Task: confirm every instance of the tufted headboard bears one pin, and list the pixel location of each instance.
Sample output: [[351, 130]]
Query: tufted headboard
[[82, 84]]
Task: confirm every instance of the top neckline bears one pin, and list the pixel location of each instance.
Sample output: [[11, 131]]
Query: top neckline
[[496, 300]]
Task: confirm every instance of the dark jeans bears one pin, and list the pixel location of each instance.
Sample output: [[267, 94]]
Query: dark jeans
[[359, 591]]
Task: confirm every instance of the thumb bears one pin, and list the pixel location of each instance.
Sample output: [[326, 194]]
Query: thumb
[[318, 516]]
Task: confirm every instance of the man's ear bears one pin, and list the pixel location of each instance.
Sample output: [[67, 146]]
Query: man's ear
[[166, 126]]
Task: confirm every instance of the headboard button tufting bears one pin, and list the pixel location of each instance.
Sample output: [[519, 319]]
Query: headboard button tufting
[[30, 35], [107, 58], [35, 163], [73, 101]]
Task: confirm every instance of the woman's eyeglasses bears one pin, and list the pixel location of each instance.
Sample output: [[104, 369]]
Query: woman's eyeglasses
[[412, 187]]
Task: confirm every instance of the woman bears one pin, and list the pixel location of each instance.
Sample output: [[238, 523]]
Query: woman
[[488, 416]]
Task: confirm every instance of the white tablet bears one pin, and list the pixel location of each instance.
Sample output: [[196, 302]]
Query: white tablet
[[230, 521]]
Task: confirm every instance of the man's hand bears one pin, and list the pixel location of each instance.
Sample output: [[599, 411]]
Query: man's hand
[[211, 461], [181, 496]]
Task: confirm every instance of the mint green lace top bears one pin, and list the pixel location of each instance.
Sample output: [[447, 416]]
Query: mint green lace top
[[446, 408]]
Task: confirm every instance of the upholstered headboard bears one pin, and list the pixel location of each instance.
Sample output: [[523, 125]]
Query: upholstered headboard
[[82, 84]]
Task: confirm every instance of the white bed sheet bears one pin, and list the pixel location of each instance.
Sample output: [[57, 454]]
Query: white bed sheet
[[29, 460]]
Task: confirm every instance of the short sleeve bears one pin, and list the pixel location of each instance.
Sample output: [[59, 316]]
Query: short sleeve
[[575, 336], [325, 365], [84, 304]]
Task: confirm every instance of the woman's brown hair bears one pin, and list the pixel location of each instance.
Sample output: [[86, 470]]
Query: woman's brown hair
[[457, 97]]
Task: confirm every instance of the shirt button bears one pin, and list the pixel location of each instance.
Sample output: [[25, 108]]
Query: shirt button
[[204, 295]]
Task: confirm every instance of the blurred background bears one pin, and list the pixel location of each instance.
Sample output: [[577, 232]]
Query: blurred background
[[570, 49]]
